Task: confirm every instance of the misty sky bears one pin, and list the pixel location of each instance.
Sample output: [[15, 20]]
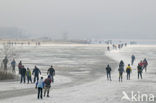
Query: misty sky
[[82, 18]]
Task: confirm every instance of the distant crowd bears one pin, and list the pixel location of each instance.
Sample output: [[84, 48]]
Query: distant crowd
[[116, 46]]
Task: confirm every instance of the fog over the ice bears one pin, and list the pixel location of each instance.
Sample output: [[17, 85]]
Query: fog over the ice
[[81, 18]]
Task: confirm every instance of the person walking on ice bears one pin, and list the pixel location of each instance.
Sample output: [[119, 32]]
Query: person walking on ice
[[128, 70], [47, 86], [23, 73], [121, 64], [139, 71], [121, 70], [51, 72], [13, 65], [5, 62], [36, 73], [28, 73], [40, 86], [145, 64], [108, 71], [132, 59]]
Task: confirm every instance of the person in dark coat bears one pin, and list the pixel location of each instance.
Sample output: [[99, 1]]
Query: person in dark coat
[[139, 71], [23, 74], [145, 64], [132, 59], [36, 73], [121, 64], [20, 67], [5, 62], [51, 72], [121, 70], [108, 71]]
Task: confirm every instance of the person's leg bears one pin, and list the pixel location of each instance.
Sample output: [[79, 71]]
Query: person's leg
[[52, 78], [121, 77], [24, 78], [138, 75], [145, 68], [48, 89], [45, 90], [38, 93], [28, 79], [107, 75], [14, 69], [21, 79], [37, 78], [110, 76], [41, 92], [34, 79], [127, 76], [141, 75]]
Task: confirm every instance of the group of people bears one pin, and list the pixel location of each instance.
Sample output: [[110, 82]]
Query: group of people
[[141, 66], [40, 84], [45, 84], [25, 73], [115, 47]]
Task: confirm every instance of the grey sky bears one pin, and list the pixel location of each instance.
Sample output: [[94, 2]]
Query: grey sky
[[82, 18]]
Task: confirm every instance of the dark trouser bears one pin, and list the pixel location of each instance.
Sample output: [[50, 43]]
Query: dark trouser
[[128, 76], [46, 90], [22, 78], [19, 70], [140, 74], [36, 76], [52, 78], [29, 79], [13, 69], [108, 75], [145, 67], [39, 93], [132, 62], [5, 67], [120, 76]]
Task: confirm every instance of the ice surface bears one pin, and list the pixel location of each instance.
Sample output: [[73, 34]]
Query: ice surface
[[101, 90]]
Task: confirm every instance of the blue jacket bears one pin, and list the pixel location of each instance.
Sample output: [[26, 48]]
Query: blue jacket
[[40, 84]]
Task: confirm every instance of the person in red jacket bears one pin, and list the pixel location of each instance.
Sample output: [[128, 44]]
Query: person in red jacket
[[47, 86], [141, 64]]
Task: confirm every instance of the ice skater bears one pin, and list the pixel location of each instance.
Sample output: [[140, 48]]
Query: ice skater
[[28, 73], [108, 71], [5, 62], [47, 86], [13, 65], [121, 70], [23, 74], [145, 64], [132, 59], [51, 72], [40, 86], [36, 73], [128, 70], [139, 71]]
